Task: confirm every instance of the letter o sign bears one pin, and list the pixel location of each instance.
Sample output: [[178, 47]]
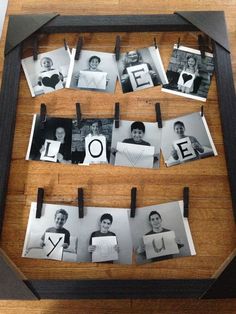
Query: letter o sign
[[95, 148]]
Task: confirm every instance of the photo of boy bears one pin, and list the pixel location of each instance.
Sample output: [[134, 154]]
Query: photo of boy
[[104, 236], [104, 231], [161, 232], [94, 71], [54, 235], [60, 219], [141, 148], [137, 133]]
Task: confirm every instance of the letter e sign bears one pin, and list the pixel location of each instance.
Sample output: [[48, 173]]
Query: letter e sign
[[184, 149], [140, 77]]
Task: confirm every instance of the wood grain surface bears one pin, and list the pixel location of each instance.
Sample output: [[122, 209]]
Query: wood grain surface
[[210, 212]]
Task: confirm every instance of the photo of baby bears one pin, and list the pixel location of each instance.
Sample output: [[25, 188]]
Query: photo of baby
[[186, 138], [189, 74], [136, 144], [48, 73], [94, 71]]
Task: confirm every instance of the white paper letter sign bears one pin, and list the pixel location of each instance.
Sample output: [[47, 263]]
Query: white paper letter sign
[[53, 245], [186, 79], [95, 149], [139, 77], [51, 149], [105, 249], [160, 244], [51, 81], [184, 149], [94, 80], [133, 155]]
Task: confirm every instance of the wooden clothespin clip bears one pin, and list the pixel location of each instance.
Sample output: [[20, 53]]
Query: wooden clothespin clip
[[202, 111], [117, 48], [35, 48], [78, 113], [39, 202], [79, 48], [158, 115], [178, 43], [65, 44], [201, 45], [186, 201], [133, 202], [117, 115], [81, 202], [43, 115], [155, 42]]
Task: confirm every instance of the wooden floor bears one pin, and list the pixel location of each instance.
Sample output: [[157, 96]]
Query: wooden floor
[[211, 218]]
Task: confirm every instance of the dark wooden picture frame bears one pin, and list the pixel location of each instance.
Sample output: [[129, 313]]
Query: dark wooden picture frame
[[222, 287]]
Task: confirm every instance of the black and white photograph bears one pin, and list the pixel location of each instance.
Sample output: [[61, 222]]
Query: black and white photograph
[[136, 144], [104, 236], [189, 74], [52, 141], [54, 235], [48, 73], [140, 69], [91, 141], [186, 138], [161, 232], [94, 71]]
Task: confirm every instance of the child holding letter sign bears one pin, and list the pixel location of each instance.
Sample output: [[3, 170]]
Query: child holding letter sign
[[106, 249], [188, 149], [61, 216], [178, 147]]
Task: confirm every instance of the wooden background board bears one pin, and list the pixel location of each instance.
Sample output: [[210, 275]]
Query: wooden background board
[[211, 217]]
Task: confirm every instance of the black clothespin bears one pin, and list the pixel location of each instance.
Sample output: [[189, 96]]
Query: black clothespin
[[202, 111], [78, 113], [81, 202], [117, 115], [201, 45], [158, 115], [43, 115], [186, 201], [35, 48], [178, 43], [117, 48], [39, 202], [65, 44], [133, 202], [155, 42], [78, 48]]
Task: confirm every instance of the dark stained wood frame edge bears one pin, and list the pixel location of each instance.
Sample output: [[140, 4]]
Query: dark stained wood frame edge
[[174, 288]]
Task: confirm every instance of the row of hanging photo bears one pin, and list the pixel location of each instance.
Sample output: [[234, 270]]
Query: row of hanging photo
[[107, 234], [189, 74], [133, 143]]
